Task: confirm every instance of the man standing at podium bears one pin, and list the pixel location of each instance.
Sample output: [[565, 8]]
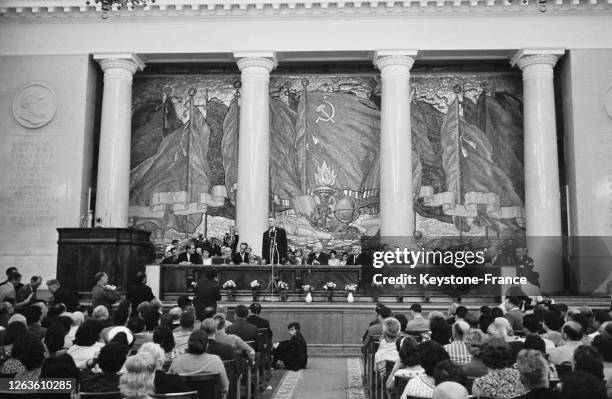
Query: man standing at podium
[[274, 246]]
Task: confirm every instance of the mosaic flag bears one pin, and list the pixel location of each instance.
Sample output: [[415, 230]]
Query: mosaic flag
[[284, 175], [337, 139], [229, 148]]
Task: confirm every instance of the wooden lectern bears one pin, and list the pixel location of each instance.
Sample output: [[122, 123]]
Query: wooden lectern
[[119, 252]]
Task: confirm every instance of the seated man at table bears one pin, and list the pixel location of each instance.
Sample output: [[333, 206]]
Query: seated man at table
[[292, 352], [317, 256], [241, 257]]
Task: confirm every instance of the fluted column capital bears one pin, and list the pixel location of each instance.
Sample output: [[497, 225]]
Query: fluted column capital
[[536, 62], [121, 66], [394, 61]]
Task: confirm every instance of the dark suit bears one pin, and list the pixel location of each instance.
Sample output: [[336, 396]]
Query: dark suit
[[195, 258], [361, 259], [260, 322], [224, 351], [67, 297], [138, 293], [244, 330], [206, 295], [293, 353], [323, 258], [279, 236], [24, 292], [103, 296], [238, 258]]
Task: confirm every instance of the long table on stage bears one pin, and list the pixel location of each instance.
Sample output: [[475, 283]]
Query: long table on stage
[[176, 280]]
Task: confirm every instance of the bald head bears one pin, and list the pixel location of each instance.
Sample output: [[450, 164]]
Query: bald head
[[450, 390]]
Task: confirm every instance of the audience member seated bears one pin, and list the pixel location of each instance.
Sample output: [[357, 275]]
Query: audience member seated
[[450, 390], [402, 320], [375, 327], [62, 295], [109, 361], [256, 320], [34, 315], [572, 335], [535, 342], [30, 351], [552, 323], [533, 368], [317, 256], [292, 352], [502, 381], [197, 361], [162, 335], [387, 350], [55, 339], [137, 327], [580, 384], [61, 366], [172, 258], [101, 314], [476, 367], [77, 320], [121, 314], [241, 327], [407, 366], [458, 350], [14, 331], [138, 381], [514, 313], [418, 323], [86, 344], [164, 382], [224, 351], [241, 257], [500, 328], [181, 334], [603, 344], [532, 326], [588, 359], [234, 341], [430, 354], [440, 330]]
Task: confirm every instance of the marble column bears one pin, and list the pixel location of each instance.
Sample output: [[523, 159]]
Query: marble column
[[396, 206], [253, 187], [113, 189], [542, 193]]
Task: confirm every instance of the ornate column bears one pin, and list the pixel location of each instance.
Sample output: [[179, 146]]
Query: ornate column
[[542, 195], [253, 187], [396, 207], [113, 190]]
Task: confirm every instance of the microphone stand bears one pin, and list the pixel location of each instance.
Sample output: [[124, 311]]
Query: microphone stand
[[272, 288]]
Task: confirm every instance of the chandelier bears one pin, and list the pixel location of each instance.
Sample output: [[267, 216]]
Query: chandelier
[[107, 5]]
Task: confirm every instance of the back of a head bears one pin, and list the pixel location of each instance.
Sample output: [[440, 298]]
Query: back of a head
[[430, 353], [138, 381], [156, 351], [151, 319], [450, 390], [534, 342], [136, 324], [390, 328], [580, 384], [460, 329], [402, 320], [54, 337], [533, 368], [384, 312], [497, 329], [255, 308], [196, 344], [532, 323], [573, 331], [408, 350], [187, 320], [587, 358], [603, 344], [112, 356], [32, 314], [100, 313], [30, 351], [461, 312], [209, 326], [416, 308], [553, 320], [88, 333], [496, 353], [241, 311], [163, 336]]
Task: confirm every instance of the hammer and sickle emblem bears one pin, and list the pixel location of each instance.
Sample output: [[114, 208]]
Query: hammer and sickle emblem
[[326, 116]]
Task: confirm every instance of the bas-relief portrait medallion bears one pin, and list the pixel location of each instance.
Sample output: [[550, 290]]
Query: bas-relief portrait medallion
[[34, 106]]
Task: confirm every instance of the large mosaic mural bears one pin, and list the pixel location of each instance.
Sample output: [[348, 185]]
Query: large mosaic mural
[[467, 153]]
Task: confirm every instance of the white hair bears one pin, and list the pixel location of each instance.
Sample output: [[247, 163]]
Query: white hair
[[156, 351]]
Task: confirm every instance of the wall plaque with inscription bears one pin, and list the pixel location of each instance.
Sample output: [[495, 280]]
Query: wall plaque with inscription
[[34, 106]]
